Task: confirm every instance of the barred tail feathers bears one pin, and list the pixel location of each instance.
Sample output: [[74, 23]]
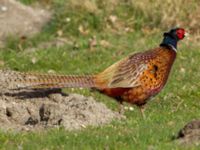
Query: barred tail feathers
[[42, 81]]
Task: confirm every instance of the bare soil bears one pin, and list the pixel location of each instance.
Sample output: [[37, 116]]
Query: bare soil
[[20, 20], [30, 110], [190, 133]]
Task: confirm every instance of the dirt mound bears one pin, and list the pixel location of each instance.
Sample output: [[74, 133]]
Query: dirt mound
[[190, 134], [36, 110], [18, 19]]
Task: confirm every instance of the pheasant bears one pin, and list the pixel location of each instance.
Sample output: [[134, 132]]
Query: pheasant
[[134, 79]]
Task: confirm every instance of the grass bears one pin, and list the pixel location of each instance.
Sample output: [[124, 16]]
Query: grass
[[136, 28]]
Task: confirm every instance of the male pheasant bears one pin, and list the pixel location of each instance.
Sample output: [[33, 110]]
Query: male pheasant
[[133, 79]]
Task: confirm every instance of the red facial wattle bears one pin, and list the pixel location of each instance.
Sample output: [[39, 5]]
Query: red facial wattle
[[180, 33]]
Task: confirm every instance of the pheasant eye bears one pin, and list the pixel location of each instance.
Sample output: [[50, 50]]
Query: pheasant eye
[[180, 33]]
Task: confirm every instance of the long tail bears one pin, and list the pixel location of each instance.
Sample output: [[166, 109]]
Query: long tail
[[47, 81]]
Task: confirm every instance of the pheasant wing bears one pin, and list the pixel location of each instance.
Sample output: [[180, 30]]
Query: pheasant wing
[[127, 75], [124, 73]]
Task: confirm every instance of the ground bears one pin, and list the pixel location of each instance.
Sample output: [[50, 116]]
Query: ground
[[85, 37], [41, 111]]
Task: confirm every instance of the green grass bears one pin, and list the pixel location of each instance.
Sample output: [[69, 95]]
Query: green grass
[[166, 113]]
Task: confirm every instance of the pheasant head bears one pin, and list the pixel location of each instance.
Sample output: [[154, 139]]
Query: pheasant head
[[172, 37]]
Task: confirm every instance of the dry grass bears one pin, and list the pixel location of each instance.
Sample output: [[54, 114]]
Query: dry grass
[[170, 13], [144, 13]]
